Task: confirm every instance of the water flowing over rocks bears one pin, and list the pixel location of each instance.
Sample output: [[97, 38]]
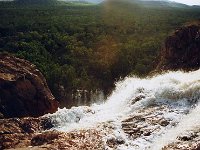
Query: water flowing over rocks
[[142, 114], [189, 141], [23, 89], [156, 113]]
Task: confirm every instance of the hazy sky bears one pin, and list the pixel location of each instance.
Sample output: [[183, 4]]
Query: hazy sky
[[188, 2]]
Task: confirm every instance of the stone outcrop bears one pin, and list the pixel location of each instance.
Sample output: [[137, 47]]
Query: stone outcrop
[[17, 132], [190, 141], [182, 49], [23, 89], [29, 133]]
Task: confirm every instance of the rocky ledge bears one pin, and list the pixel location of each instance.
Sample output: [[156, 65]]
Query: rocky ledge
[[182, 49], [29, 133], [23, 89]]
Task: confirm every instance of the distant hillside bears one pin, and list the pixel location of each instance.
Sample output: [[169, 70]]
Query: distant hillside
[[144, 3], [162, 4], [35, 2], [8, 3], [83, 1], [149, 3], [40, 3]]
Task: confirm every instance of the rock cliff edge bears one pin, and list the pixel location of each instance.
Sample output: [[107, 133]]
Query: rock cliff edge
[[23, 89]]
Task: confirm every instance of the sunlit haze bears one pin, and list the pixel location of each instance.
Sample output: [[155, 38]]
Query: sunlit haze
[[188, 2]]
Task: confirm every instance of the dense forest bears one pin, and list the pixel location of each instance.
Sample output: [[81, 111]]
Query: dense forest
[[86, 46]]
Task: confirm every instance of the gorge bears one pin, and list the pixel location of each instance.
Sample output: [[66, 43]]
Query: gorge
[[160, 111]]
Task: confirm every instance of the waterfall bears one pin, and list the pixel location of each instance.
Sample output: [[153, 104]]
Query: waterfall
[[160, 108]]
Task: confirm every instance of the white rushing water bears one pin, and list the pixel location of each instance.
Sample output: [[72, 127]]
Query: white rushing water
[[173, 97]]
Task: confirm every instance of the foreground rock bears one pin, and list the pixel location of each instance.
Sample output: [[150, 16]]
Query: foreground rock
[[182, 49], [23, 89], [29, 133], [33, 133], [190, 141]]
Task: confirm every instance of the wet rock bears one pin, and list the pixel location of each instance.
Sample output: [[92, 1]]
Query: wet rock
[[149, 123], [133, 119], [1, 116], [187, 141], [43, 138], [83, 139], [28, 133], [114, 142], [164, 122], [182, 146], [148, 133], [132, 127], [138, 98], [23, 89], [187, 137], [46, 123]]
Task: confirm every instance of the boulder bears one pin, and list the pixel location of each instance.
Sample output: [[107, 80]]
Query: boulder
[[23, 89], [182, 49]]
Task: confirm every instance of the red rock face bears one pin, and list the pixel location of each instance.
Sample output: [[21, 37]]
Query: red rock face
[[182, 49], [23, 89]]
